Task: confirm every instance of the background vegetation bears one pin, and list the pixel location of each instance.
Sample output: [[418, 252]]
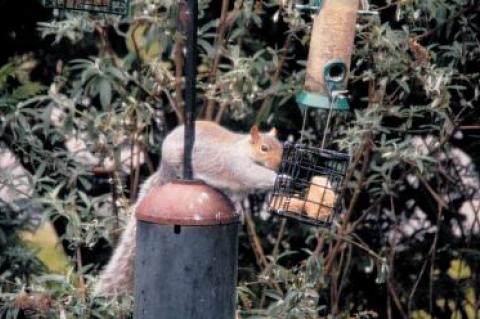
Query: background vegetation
[[86, 99]]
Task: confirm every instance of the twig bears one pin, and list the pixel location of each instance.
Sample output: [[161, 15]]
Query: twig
[[422, 271], [432, 262], [276, 248], [279, 239], [437, 197], [345, 271], [392, 253], [276, 76], [148, 160], [107, 48], [216, 61], [81, 279], [345, 221], [257, 247], [222, 109], [179, 61], [135, 169], [252, 234], [469, 127], [395, 298]]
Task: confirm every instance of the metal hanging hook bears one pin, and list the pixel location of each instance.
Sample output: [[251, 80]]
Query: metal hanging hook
[[334, 75]]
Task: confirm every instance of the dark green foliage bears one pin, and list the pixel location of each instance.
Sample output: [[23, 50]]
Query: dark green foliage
[[408, 246]]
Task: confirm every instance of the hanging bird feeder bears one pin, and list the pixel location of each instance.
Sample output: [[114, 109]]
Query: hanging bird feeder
[[119, 7], [331, 47], [310, 181]]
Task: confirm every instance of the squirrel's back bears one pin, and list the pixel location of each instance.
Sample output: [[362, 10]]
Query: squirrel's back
[[216, 143], [233, 162]]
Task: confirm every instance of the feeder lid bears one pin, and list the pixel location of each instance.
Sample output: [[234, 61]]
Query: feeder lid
[[186, 203]]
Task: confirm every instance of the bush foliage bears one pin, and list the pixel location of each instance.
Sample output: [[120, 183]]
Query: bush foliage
[[84, 114]]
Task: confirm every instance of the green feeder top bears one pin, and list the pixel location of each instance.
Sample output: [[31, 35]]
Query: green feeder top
[[334, 74], [118, 7]]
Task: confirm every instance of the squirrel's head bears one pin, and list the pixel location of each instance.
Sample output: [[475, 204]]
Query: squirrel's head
[[266, 148]]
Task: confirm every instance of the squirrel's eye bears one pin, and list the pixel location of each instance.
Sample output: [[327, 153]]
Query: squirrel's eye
[[264, 148]]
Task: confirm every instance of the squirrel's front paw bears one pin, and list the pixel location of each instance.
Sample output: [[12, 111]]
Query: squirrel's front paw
[[266, 181], [272, 179], [284, 181]]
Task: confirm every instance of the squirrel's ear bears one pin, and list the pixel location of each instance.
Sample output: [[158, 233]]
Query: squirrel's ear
[[273, 132], [254, 134]]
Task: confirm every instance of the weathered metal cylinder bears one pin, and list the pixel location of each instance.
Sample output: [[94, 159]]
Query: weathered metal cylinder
[[187, 247], [332, 40]]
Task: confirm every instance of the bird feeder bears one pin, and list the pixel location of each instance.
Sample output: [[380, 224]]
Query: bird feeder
[[119, 7], [310, 180], [329, 55]]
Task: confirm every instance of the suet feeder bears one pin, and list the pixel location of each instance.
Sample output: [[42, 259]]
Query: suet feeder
[[310, 181], [309, 185], [119, 7]]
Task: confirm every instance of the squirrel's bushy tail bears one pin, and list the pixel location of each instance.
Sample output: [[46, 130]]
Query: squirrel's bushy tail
[[118, 275]]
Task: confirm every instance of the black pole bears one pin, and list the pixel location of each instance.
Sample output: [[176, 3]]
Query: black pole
[[190, 15]]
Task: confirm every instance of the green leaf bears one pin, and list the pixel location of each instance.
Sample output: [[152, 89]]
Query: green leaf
[[105, 90]]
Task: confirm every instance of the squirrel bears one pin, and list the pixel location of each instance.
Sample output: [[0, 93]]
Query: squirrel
[[234, 163]]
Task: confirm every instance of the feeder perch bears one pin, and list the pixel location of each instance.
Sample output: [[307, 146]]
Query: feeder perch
[[329, 55], [119, 7]]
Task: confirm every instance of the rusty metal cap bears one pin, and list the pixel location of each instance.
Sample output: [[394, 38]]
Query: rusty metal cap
[[189, 203]]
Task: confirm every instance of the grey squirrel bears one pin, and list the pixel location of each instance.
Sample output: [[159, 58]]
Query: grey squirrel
[[235, 163]]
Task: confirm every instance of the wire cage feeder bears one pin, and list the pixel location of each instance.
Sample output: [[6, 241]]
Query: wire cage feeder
[[309, 184], [119, 7]]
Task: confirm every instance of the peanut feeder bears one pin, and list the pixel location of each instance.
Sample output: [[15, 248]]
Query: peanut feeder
[[329, 55]]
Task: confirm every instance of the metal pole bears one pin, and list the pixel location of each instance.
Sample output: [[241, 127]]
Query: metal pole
[[190, 15]]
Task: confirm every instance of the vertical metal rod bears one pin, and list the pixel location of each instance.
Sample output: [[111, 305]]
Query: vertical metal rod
[[190, 87]]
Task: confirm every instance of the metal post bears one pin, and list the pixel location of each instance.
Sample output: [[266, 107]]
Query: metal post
[[190, 12]]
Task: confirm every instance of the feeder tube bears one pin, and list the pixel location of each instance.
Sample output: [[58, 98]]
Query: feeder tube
[[332, 40]]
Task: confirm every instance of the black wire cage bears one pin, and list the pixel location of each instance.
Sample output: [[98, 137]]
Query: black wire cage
[[119, 7], [309, 184]]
